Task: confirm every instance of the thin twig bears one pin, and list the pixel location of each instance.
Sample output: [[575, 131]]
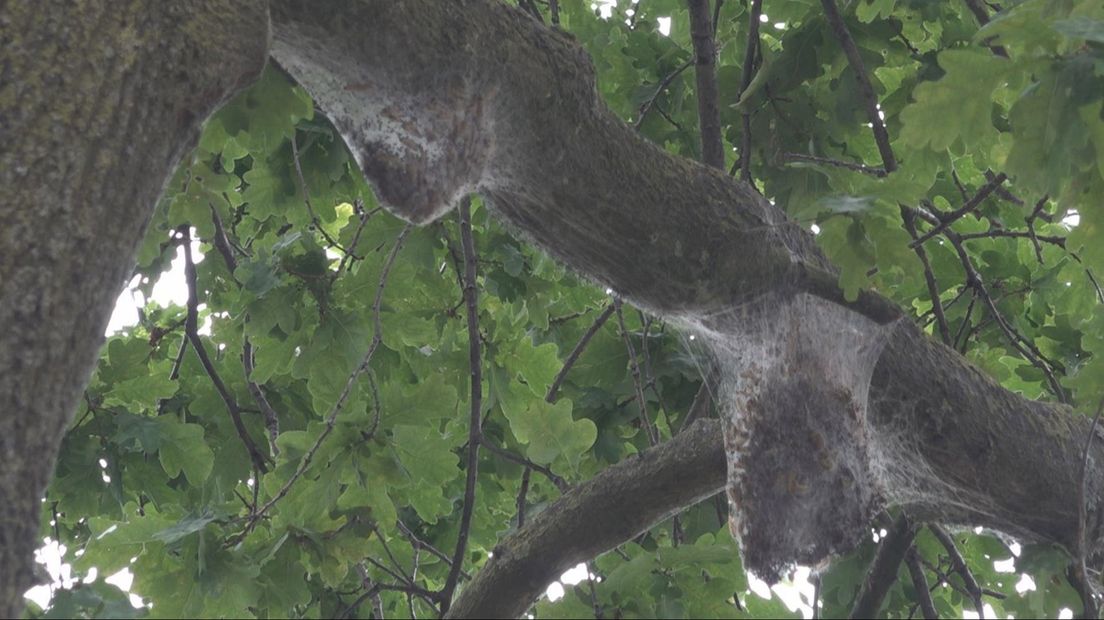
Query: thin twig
[[306, 197], [271, 420], [929, 276], [663, 84], [946, 219], [475, 428], [191, 328], [866, 91], [577, 351], [421, 544], [645, 422], [556, 480], [331, 417], [878, 172], [750, 52]]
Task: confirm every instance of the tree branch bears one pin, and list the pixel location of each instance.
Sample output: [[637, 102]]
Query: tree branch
[[191, 328], [750, 53], [705, 60], [866, 90], [882, 573], [475, 422]]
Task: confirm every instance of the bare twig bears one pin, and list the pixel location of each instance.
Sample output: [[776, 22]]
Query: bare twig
[[878, 172], [191, 328], [645, 422], [577, 351], [958, 563], [271, 420], [523, 492], [866, 91], [556, 480], [883, 570], [920, 583], [418, 543], [929, 276], [306, 197], [750, 52], [475, 428], [647, 105], [946, 219]]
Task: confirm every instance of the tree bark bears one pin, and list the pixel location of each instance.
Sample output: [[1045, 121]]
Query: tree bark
[[436, 100], [98, 102]]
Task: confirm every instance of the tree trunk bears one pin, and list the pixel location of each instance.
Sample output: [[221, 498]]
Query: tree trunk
[[98, 102]]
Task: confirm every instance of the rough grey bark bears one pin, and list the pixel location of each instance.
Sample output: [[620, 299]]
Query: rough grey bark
[[98, 102]]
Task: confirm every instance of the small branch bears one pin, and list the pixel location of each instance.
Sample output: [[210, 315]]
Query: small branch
[[271, 420], [645, 422], [1002, 193], [577, 351], [418, 543], [331, 417], [475, 428], [945, 220], [306, 197], [866, 91], [997, 233], [746, 76], [982, 17], [647, 105], [1026, 348], [878, 172], [958, 563], [594, 604], [191, 328], [556, 480], [920, 584], [347, 258], [703, 400], [963, 329], [705, 59], [883, 570], [929, 276]]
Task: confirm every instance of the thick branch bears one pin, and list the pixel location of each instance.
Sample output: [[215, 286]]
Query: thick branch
[[524, 127], [614, 506]]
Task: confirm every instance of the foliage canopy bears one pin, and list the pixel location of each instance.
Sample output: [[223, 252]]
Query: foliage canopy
[[361, 482]]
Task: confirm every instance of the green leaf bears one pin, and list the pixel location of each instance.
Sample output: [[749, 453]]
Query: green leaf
[[552, 433], [957, 106], [184, 450]]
